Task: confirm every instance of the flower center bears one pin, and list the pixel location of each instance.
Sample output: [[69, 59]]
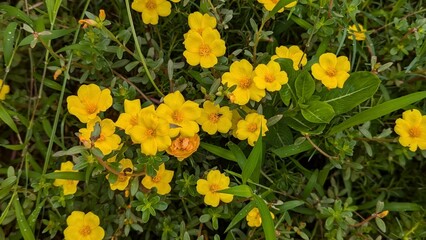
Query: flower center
[[214, 188], [252, 127], [101, 138], [91, 108], [134, 121], [182, 143], [121, 178], [85, 230], [151, 5], [177, 116], [150, 132], [156, 179], [204, 50], [214, 117], [244, 83], [331, 72], [414, 132], [269, 78]]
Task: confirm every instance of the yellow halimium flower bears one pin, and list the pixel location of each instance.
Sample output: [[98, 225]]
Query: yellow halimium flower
[[129, 118], [241, 75], [411, 129], [270, 4], [183, 147], [151, 9], [152, 132], [90, 101], [83, 227], [215, 182], [204, 48], [181, 114], [249, 128], [107, 141], [4, 90], [160, 181], [198, 22], [122, 179], [270, 77], [358, 33], [331, 70], [294, 53], [215, 118], [254, 219], [69, 186]]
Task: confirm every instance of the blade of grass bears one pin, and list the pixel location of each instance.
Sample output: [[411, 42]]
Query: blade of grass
[[221, 152], [267, 222], [252, 166], [24, 227]]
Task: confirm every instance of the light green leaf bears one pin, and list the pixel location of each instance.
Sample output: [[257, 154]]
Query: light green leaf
[[252, 167], [318, 112], [218, 151], [239, 191], [378, 111], [359, 87], [305, 86], [72, 151], [54, 34], [24, 228], [240, 215], [267, 222], [381, 224]]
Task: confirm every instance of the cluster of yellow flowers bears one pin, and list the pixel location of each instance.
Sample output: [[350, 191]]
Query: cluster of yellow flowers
[[152, 9], [203, 44]]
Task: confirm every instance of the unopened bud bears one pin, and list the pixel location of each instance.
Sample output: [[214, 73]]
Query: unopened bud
[[102, 15], [383, 214]]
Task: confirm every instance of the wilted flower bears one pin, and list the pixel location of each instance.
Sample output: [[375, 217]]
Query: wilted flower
[[90, 101], [270, 4], [254, 219], [241, 75], [249, 128], [183, 147], [215, 118], [358, 32], [204, 48], [152, 9], [123, 178], [106, 141], [332, 71], [4, 90], [294, 53], [270, 77], [69, 186], [161, 181], [181, 114], [83, 227], [411, 129], [215, 182]]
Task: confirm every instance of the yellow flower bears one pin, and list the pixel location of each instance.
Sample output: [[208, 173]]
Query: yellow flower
[[249, 128], [204, 48], [129, 118], [294, 53], [215, 118], [236, 117], [90, 101], [152, 132], [198, 22], [254, 219], [122, 179], [358, 33], [241, 75], [69, 186], [4, 89], [332, 71], [160, 181], [270, 76], [411, 129], [107, 140], [181, 114], [83, 227], [216, 181], [183, 147], [151, 9], [270, 4]]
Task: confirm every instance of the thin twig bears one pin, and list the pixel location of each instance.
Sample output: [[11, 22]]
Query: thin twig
[[318, 148], [113, 171]]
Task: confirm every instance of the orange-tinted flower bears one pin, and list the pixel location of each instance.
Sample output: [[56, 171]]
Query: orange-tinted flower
[[183, 147]]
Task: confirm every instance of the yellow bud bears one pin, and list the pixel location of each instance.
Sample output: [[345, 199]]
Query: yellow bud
[[58, 72], [102, 15], [383, 214]]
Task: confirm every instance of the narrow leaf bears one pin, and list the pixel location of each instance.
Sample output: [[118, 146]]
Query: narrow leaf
[[240, 215], [290, 205], [252, 165], [238, 154], [9, 42], [287, 151], [6, 118], [267, 222], [310, 185], [221, 152], [239, 191], [15, 12], [24, 228], [72, 151], [66, 175], [402, 206]]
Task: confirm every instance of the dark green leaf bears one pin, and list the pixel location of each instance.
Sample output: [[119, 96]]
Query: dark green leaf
[[9, 42], [305, 86], [291, 150], [267, 222], [5, 117], [14, 12], [252, 166]]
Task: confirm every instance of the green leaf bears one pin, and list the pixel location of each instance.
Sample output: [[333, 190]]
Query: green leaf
[[24, 228], [293, 149], [310, 185], [252, 166], [305, 86], [72, 151], [359, 87], [318, 112], [53, 35], [381, 224], [238, 153], [239, 191], [240, 215], [221, 152], [14, 12], [290, 205], [402, 206], [52, 9], [6, 118], [267, 222], [9, 42], [66, 175], [301, 22], [378, 111], [13, 147], [34, 215]]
